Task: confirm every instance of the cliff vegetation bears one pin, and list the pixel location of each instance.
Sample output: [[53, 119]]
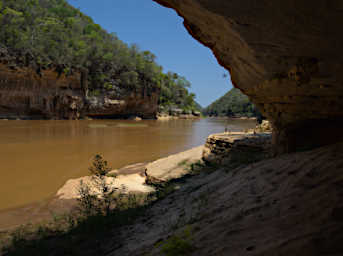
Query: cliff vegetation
[[52, 35]]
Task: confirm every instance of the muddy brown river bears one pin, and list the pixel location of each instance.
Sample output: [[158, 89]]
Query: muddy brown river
[[38, 157]]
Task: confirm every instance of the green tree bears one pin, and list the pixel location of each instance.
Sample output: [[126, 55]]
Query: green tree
[[97, 197], [51, 34]]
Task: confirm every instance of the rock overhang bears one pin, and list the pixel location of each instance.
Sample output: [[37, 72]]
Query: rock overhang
[[285, 55]]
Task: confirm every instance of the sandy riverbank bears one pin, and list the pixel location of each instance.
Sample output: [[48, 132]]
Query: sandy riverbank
[[133, 177]]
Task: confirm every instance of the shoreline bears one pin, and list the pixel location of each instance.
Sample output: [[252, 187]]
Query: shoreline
[[158, 116], [233, 117], [46, 209]]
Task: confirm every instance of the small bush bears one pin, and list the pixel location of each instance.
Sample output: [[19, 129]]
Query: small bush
[[183, 163], [178, 245], [97, 197], [99, 166]]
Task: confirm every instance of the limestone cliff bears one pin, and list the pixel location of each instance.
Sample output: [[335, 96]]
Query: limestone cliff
[[26, 93], [130, 104], [285, 55]]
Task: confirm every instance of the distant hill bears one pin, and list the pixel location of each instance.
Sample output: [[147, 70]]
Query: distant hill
[[234, 103]]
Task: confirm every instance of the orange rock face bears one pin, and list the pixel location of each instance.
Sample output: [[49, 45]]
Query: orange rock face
[[26, 94], [285, 55]]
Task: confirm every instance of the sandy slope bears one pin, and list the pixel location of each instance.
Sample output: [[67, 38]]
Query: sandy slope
[[290, 205]]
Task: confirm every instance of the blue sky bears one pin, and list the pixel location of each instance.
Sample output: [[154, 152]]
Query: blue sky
[[160, 30]]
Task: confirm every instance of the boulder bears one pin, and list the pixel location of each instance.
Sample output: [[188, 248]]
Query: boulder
[[265, 126], [132, 183]]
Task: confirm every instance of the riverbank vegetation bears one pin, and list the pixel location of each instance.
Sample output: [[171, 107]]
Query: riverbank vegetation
[[51, 34], [93, 227], [233, 104], [105, 216], [100, 210], [175, 94]]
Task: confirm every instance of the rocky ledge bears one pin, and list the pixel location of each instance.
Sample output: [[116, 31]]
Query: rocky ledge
[[172, 167], [285, 55], [225, 148], [220, 149]]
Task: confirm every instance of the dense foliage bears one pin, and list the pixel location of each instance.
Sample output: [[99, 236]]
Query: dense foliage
[[233, 103], [49, 34], [174, 93]]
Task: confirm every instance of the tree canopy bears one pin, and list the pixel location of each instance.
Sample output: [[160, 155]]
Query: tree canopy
[[49, 34], [174, 93]]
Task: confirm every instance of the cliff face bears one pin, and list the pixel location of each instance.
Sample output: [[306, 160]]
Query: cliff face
[[133, 104], [285, 55], [26, 94]]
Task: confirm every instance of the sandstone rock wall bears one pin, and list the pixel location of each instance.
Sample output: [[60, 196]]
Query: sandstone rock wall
[[285, 55], [28, 94], [134, 104]]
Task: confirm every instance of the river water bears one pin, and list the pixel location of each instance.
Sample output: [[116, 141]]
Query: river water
[[38, 157]]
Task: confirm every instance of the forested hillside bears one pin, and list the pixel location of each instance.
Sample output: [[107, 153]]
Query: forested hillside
[[234, 103], [52, 35], [174, 93]]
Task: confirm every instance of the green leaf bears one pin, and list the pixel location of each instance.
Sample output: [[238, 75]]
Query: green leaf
[[9, 11]]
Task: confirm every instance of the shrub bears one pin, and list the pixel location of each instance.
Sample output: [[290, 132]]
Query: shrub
[[97, 197], [178, 245]]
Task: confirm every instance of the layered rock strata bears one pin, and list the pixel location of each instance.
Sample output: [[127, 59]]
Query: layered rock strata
[[26, 93], [131, 104], [237, 147], [284, 55]]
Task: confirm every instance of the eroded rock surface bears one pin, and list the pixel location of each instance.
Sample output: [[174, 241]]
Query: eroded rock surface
[[285, 55], [237, 147], [26, 93], [133, 183], [172, 167], [127, 105]]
